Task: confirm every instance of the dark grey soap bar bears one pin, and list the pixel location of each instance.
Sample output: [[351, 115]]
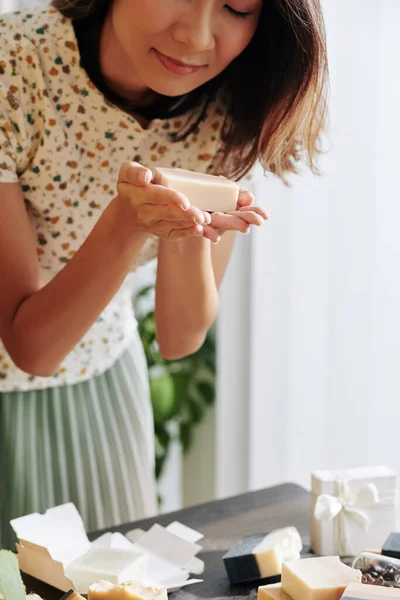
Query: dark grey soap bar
[[68, 595], [71, 595], [241, 563], [392, 546]]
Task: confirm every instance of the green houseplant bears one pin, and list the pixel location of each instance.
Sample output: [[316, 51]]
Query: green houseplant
[[181, 390]]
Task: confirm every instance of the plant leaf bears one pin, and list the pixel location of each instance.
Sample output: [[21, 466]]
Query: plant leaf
[[11, 585], [186, 436]]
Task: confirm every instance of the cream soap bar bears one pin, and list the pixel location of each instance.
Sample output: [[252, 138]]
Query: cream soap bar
[[104, 590], [272, 592], [207, 192], [261, 556], [110, 564], [321, 578], [358, 591]]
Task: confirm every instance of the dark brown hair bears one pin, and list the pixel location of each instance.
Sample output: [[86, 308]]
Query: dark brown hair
[[276, 89]]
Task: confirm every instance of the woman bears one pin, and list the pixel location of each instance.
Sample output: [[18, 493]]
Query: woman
[[85, 87]]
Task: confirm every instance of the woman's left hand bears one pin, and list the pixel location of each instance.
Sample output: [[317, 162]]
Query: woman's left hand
[[241, 219]]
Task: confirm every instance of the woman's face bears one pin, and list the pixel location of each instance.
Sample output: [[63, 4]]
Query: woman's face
[[174, 46]]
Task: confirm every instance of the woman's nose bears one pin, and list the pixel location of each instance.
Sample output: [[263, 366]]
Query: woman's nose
[[195, 31]]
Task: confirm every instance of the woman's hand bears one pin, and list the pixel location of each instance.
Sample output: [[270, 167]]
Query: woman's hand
[[241, 219], [158, 210]]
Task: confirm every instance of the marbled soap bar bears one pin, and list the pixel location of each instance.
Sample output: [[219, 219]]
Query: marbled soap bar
[[104, 590], [260, 556]]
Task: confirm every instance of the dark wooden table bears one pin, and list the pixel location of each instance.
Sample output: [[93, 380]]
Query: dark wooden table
[[223, 523]]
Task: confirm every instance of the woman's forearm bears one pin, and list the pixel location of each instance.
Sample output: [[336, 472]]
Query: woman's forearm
[[49, 323], [186, 296]]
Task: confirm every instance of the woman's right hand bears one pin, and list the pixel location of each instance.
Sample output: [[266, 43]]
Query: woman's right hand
[[158, 210]]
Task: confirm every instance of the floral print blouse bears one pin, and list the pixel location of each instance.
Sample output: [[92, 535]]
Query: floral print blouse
[[65, 143]]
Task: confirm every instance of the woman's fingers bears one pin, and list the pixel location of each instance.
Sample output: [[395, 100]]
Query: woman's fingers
[[229, 222], [257, 209], [159, 196], [176, 234], [239, 220], [135, 174], [246, 198], [152, 194], [250, 216], [211, 234], [150, 213]]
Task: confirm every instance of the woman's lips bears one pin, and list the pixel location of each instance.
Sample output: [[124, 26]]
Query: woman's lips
[[175, 66]]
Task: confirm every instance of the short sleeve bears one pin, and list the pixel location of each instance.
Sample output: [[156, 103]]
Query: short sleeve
[[21, 94]]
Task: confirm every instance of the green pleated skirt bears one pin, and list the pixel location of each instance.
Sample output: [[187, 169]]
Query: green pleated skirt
[[91, 443]]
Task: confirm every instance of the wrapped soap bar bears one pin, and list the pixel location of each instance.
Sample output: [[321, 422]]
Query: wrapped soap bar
[[104, 590], [274, 591], [379, 570], [207, 192], [260, 556], [352, 509], [358, 591], [320, 578], [111, 564]]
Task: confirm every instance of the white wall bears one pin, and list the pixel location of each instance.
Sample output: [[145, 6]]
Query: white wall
[[324, 297]]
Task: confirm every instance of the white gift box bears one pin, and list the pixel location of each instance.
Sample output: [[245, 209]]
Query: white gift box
[[352, 510]]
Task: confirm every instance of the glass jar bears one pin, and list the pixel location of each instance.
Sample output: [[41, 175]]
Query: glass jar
[[377, 569]]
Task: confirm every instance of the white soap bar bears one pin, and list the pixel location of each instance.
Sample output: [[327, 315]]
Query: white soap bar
[[207, 192], [321, 578], [131, 590], [286, 541], [362, 591], [111, 564], [274, 591]]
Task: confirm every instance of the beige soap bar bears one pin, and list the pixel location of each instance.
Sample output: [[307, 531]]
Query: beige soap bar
[[274, 591], [321, 578], [131, 590], [207, 192], [362, 591]]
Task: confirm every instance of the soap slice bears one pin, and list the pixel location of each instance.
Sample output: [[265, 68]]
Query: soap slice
[[392, 545], [321, 578], [207, 192], [112, 564], [358, 591], [131, 590], [261, 556], [274, 591]]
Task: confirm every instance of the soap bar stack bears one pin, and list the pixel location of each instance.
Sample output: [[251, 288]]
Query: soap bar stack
[[321, 578], [261, 556]]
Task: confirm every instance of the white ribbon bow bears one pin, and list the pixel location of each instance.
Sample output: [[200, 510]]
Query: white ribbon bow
[[350, 503]]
